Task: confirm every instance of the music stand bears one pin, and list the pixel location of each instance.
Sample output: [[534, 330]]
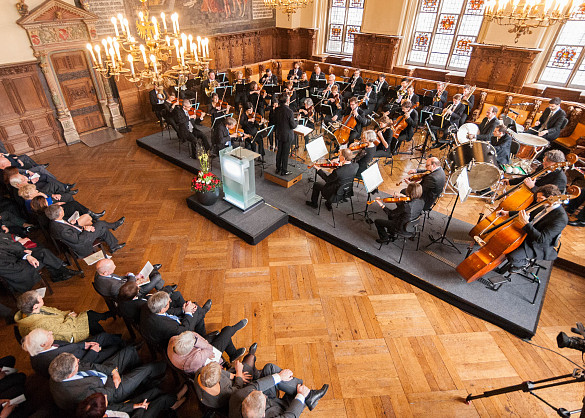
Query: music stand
[[372, 179], [331, 144], [228, 115], [219, 90], [299, 130], [302, 92], [463, 191], [316, 149]]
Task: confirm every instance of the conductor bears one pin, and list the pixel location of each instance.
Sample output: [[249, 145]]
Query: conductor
[[284, 125]]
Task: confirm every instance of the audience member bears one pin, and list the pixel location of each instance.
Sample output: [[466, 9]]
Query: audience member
[[108, 284]]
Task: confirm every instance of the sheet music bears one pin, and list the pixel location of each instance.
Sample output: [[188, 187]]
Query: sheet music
[[146, 270]]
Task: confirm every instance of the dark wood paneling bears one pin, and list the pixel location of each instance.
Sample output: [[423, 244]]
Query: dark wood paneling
[[375, 52], [500, 67], [27, 121]]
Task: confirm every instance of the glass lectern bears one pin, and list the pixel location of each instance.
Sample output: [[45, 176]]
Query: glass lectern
[[237, 174]]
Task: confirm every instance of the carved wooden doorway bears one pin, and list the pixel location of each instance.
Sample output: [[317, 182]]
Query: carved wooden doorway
[[78, 90]]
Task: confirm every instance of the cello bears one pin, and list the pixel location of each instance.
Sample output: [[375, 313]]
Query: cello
[[505, 238], [348, 123], [517, 198]]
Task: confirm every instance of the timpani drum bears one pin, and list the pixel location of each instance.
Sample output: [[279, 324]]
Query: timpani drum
[[530, 145], [480, 159], [466, 128]]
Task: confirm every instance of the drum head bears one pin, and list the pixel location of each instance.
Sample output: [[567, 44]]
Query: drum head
[[466, 128], [481, 176], [529, 139]]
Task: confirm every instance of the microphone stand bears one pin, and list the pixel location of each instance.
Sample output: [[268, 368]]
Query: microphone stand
[[443, 237]]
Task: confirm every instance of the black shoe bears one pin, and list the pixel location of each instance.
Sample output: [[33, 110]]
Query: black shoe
[[577, 223], [64, 274], [117, 247], [119, 223], [328, 206], [277, 171], [311, 204], [96, 216], [172, 287], [253, 349], [206, 306], [242, 324], [44, 165], [383, 240], [157, 266], [29, 229], [239, 353], [73, 192], [286, 173], [70, 186], [314, 396]]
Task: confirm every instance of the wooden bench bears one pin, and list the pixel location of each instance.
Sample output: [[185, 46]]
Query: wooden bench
[[570, 141]]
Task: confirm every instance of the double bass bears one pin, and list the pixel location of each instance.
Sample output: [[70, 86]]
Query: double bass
[[505, 238], [517, 198]]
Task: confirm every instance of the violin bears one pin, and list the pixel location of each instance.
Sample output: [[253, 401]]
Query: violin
[[399, 126], [258, 118], [326, 165], [197, 113], [517, 198], [505, 238], [238, 132], [414, 177], [392, 199], [358, 146]]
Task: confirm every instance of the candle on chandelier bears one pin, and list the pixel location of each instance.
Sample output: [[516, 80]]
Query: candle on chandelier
[[177, 49], [177, 22], [190, 39], [99, 55], [131, 61], [194, 50], [206, 48], [143, 50], [90, 49], [155, 24], [141, 16], [164, 20], [115, 23], [184, 41], [117, 49], [109, 40], [127, 26], [113, 58], [168, 41], [199, 45], [153, 59], [182, 56]]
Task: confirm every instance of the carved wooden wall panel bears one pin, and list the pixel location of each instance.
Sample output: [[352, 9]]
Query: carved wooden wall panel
[[375, 52], [135, 102], [500, 67], [27, 121]]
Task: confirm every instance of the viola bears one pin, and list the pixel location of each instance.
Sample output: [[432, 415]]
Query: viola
[[517, 198], [414, 177], [392, 199], [505, 238], [357, 147]]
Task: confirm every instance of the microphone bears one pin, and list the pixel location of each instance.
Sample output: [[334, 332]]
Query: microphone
[[521, 104]]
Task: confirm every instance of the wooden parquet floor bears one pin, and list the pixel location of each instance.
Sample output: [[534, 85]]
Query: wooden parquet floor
[[385, 347]]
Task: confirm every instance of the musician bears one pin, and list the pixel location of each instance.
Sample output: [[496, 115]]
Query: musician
[[251, 127], [384, 135], [257, 97], [411, 96], [307, 111], [269, 79], [157, 97], [272, 122], [341, 175], [289, 89], [502, 142], [214, 107], [356, 85], [370, 100], [411, 116], [439, 95], [329, 86], [241, 94], [400, 90], [433, 183], [334, 101], [542, 228], [315, 77], [358, 114], [556, 177], [405, 212], [187, 124], [364, 157], [208, 86], [167, 113], [487, 125], [303, 82], [452, 116], [549, 124], [221, 134], [469, 103], [381, 90], [284, 123], [295, 73]]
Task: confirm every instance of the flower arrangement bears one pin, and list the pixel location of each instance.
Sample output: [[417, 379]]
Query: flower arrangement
[[205, 181]]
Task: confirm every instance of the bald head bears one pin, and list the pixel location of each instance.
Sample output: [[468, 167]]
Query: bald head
[[105, 267]]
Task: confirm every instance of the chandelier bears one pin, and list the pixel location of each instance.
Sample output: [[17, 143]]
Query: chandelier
[[287, 6], [525, 15], [166, 58]]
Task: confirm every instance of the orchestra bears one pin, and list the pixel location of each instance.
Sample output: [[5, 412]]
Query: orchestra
[[365, 118]]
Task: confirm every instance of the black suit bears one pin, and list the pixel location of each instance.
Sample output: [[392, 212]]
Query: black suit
[[131, 309], [486, 129], [109, 286], [67, 394], [370, 102], [294, 74], [432, 185], [414, 99], [540, 237], [443, 99], [457, 115], [407, 133], [338, 177], [221, 136], [553, 126], [272, 80], [399, 217], [110, 345], [252, 128], [285, 123], [187, 127], [502, 146], [381, 93], [358, 87], [160, 328], [361, 120], [157, 107], [363, 160], [81, 241]]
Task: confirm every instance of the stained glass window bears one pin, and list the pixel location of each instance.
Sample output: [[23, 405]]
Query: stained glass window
[[566, 62], [444, 32], [345, 19]]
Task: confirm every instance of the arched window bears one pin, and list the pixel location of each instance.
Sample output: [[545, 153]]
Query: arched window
[[444, 32], [345, 19], [566, 62]]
